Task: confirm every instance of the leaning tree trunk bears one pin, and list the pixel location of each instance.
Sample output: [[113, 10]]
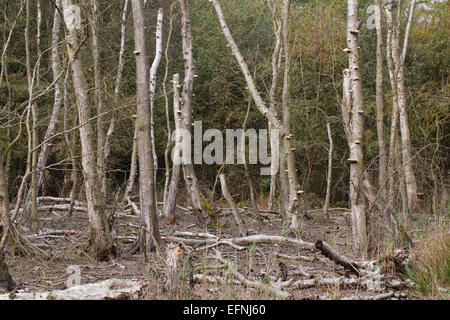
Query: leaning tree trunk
[[189, 73], [356, 134], [144, 144], [100, 242], [237, 216]]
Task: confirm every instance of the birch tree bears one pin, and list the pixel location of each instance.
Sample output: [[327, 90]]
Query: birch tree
[[396, 58]]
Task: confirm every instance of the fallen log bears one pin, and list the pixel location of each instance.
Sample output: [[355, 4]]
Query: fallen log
[[112, 289], [299, 257], [326, 282], [249, 240], [340, 259]]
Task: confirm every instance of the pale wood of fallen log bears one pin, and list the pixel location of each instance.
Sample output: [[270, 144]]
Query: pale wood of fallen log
[[110, 289]]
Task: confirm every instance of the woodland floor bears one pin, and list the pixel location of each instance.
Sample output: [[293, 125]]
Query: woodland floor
[[35, 274]]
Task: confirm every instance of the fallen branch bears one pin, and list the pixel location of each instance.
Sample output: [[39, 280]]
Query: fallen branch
[[299, 257], [326, 282], [254, 284], [340, 259], [249, 240]]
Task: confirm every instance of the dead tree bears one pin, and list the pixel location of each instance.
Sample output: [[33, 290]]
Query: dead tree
[[170, 202], [186, 108], [353, 116]]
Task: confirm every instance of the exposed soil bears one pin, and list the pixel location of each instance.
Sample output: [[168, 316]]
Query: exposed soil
[[64, 250]]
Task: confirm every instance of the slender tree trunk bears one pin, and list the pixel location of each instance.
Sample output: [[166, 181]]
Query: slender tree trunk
[[398, 81], [356, 159], [121, 63], [288, 151], [56, 71], [166, 105], [237, 217], [330, 171], [144, 144], [6, 281], [31, 216], [276, 60], [152, 88], [188, 169], [169, 204], [94, 24], [260, 104], [380, 107], [394, 117], [70, 146], [100, 242], [133, 167], [246, 169]]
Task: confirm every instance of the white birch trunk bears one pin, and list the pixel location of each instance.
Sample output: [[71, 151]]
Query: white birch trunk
[[153, 72]]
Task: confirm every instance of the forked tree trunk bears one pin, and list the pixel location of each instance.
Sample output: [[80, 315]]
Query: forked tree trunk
[[144, 144], [100, 242], [188, 169]]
